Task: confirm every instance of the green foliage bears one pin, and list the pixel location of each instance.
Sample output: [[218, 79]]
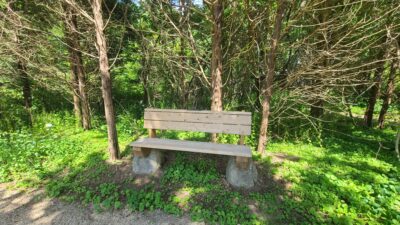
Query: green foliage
[[342, 179], [219, 206], [13, 116], [127, 124], [145, 199], [190, 172], [31, 158], [342, 182], [3, 4], [109, 196], [200, 192]]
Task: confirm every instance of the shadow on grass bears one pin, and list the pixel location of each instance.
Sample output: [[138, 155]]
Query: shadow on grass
[[349, 175], [340, 135], [349, 195], [188, 183]]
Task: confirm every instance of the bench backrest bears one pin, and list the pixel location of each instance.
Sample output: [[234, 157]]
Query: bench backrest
[[204, 121]]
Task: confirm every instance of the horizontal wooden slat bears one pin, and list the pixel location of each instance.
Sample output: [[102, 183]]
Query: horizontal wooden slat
[[197, 111], [214, 117], [193, 146], [204, 121], [203, 127]]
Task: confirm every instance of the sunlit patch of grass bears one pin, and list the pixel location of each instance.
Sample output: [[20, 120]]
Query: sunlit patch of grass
[[391, 115], [31, 158], [342, 182]]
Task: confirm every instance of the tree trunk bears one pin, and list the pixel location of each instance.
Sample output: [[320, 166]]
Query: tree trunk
[[72, 62], [144, 77], [317, 108], [375, 89], [317, 102], [397, 144], [268, 82], [183, 7], [216, 59], [348, 106], [388, 96], [75, 90], [374, 93], [26, 91], [105, 80], [86, 122], [77, 68]]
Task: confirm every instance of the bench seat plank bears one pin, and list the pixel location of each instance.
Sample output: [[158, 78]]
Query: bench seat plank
[[193, 146]]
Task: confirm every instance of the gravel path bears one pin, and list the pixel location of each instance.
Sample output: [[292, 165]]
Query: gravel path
[[32, 208]]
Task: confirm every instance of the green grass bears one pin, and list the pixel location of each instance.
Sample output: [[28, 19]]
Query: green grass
[[349, 176], [392, 115], [340, 187]]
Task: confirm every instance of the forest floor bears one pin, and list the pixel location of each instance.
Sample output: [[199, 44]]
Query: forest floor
[[32, 207], [347, 174]]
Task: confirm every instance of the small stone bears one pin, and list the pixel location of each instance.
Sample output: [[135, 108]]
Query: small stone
[[241, 178], [149, 164]]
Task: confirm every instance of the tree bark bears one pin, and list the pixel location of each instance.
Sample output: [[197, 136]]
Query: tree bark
[[72, 63], [183, 7], [317, 103], [144, 78], [268, 82], [75, 90], [26, 91], [77, 68], [216, 59], [397, 144], [388, 96], [317, 108], [374, 93], [105, 80], [375, 89]]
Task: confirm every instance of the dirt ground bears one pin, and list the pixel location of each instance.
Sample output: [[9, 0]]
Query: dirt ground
[[33, 208]]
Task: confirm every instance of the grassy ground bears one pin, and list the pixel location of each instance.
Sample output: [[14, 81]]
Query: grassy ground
[[349, 176]]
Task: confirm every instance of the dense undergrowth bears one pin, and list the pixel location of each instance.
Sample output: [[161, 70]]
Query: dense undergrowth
[[350, 175]]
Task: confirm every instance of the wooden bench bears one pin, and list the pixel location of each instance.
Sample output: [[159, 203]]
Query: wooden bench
[[204, 121]]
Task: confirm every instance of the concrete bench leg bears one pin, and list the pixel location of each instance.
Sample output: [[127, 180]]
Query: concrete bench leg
[[146, 161], [241, 172]]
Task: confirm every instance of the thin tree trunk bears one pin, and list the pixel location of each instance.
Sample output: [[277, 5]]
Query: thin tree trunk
[[26, 91], [216, 59], [75, 90], [317, 103], [86, 121], [182, 22], [375, 89], [26, 83], [317, 108], [388, 96], [144, 78], [397, 144], [374, 93], [72, 62], [77, 67], [348, 106], [105, 80], [268, 82]]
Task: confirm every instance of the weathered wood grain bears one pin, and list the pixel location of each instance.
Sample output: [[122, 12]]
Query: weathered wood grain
[[203, 127], [233, 118], [193, 146]]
